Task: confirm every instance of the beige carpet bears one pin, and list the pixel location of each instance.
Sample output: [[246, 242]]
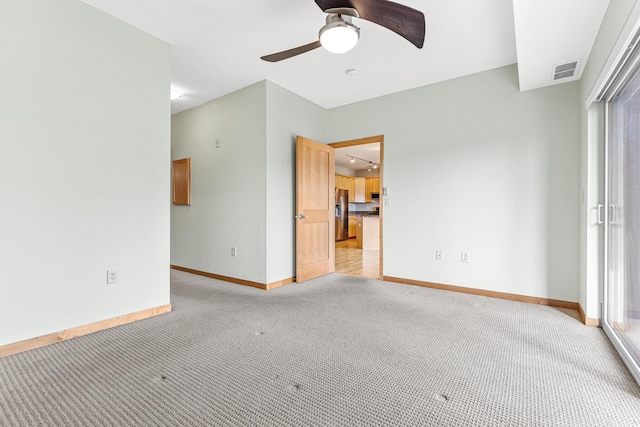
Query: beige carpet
[[336, 351]]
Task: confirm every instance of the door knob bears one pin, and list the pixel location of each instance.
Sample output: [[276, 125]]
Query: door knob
[[301, 216]]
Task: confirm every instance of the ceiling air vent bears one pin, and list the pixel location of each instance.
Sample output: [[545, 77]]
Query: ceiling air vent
[[565, 70]]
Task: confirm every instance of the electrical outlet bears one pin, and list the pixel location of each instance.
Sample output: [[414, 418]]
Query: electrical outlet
[[234, 251], [438, 255], [464, 257], [386, 201], [112, 277]]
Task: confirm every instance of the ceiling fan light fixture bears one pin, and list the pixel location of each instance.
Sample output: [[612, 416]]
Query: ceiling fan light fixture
[[339, 35]]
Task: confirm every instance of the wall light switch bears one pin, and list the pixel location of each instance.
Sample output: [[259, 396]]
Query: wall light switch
[[438, 255], [464, 257], [217, 143]]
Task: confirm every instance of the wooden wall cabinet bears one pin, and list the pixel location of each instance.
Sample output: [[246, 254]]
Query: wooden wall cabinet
[[375, 185], [359, 188], [351, 186], [360, 184], [182, 181], [347, 183], [372, 186]]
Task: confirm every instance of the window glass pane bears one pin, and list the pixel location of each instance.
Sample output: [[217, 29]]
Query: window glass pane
[[622, 311]]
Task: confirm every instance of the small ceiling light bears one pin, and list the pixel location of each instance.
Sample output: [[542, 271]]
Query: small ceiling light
[[371, 165], [339, 35], [175, 94]]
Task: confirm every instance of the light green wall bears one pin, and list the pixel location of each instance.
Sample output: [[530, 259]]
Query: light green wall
[[243, 193], [228, 198], [474, 165], [85, 143], [471, 165], [288, 115]]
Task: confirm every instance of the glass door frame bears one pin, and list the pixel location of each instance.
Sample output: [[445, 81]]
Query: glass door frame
[[627, 358]]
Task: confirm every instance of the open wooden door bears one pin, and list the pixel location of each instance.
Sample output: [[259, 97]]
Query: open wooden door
[[315, 209]]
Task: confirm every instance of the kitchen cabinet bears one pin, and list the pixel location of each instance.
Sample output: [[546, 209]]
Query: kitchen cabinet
[[368, 232], [351, 186], [367, 190], [375, 185], [348, 183], [360, 187], [372, 186], [353, 225]]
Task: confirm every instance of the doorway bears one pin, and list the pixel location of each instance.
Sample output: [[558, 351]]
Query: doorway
[[359, 210]]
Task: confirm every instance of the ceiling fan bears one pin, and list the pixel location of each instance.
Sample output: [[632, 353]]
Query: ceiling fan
[[339, 35]]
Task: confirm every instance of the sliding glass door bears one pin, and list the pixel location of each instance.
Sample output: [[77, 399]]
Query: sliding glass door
[[622, 218]]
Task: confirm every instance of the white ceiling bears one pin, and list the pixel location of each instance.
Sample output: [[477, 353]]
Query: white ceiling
[[367, 152], [216, 46], [554, 34]]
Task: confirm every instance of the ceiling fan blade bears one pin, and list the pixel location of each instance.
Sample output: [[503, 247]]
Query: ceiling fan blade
[[401, 19], [275, 57]]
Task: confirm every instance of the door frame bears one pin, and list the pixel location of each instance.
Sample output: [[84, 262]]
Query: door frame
[[609, 328], [371, 140]]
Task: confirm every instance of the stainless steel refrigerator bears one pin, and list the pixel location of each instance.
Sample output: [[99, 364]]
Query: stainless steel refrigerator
[[342, 214]]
